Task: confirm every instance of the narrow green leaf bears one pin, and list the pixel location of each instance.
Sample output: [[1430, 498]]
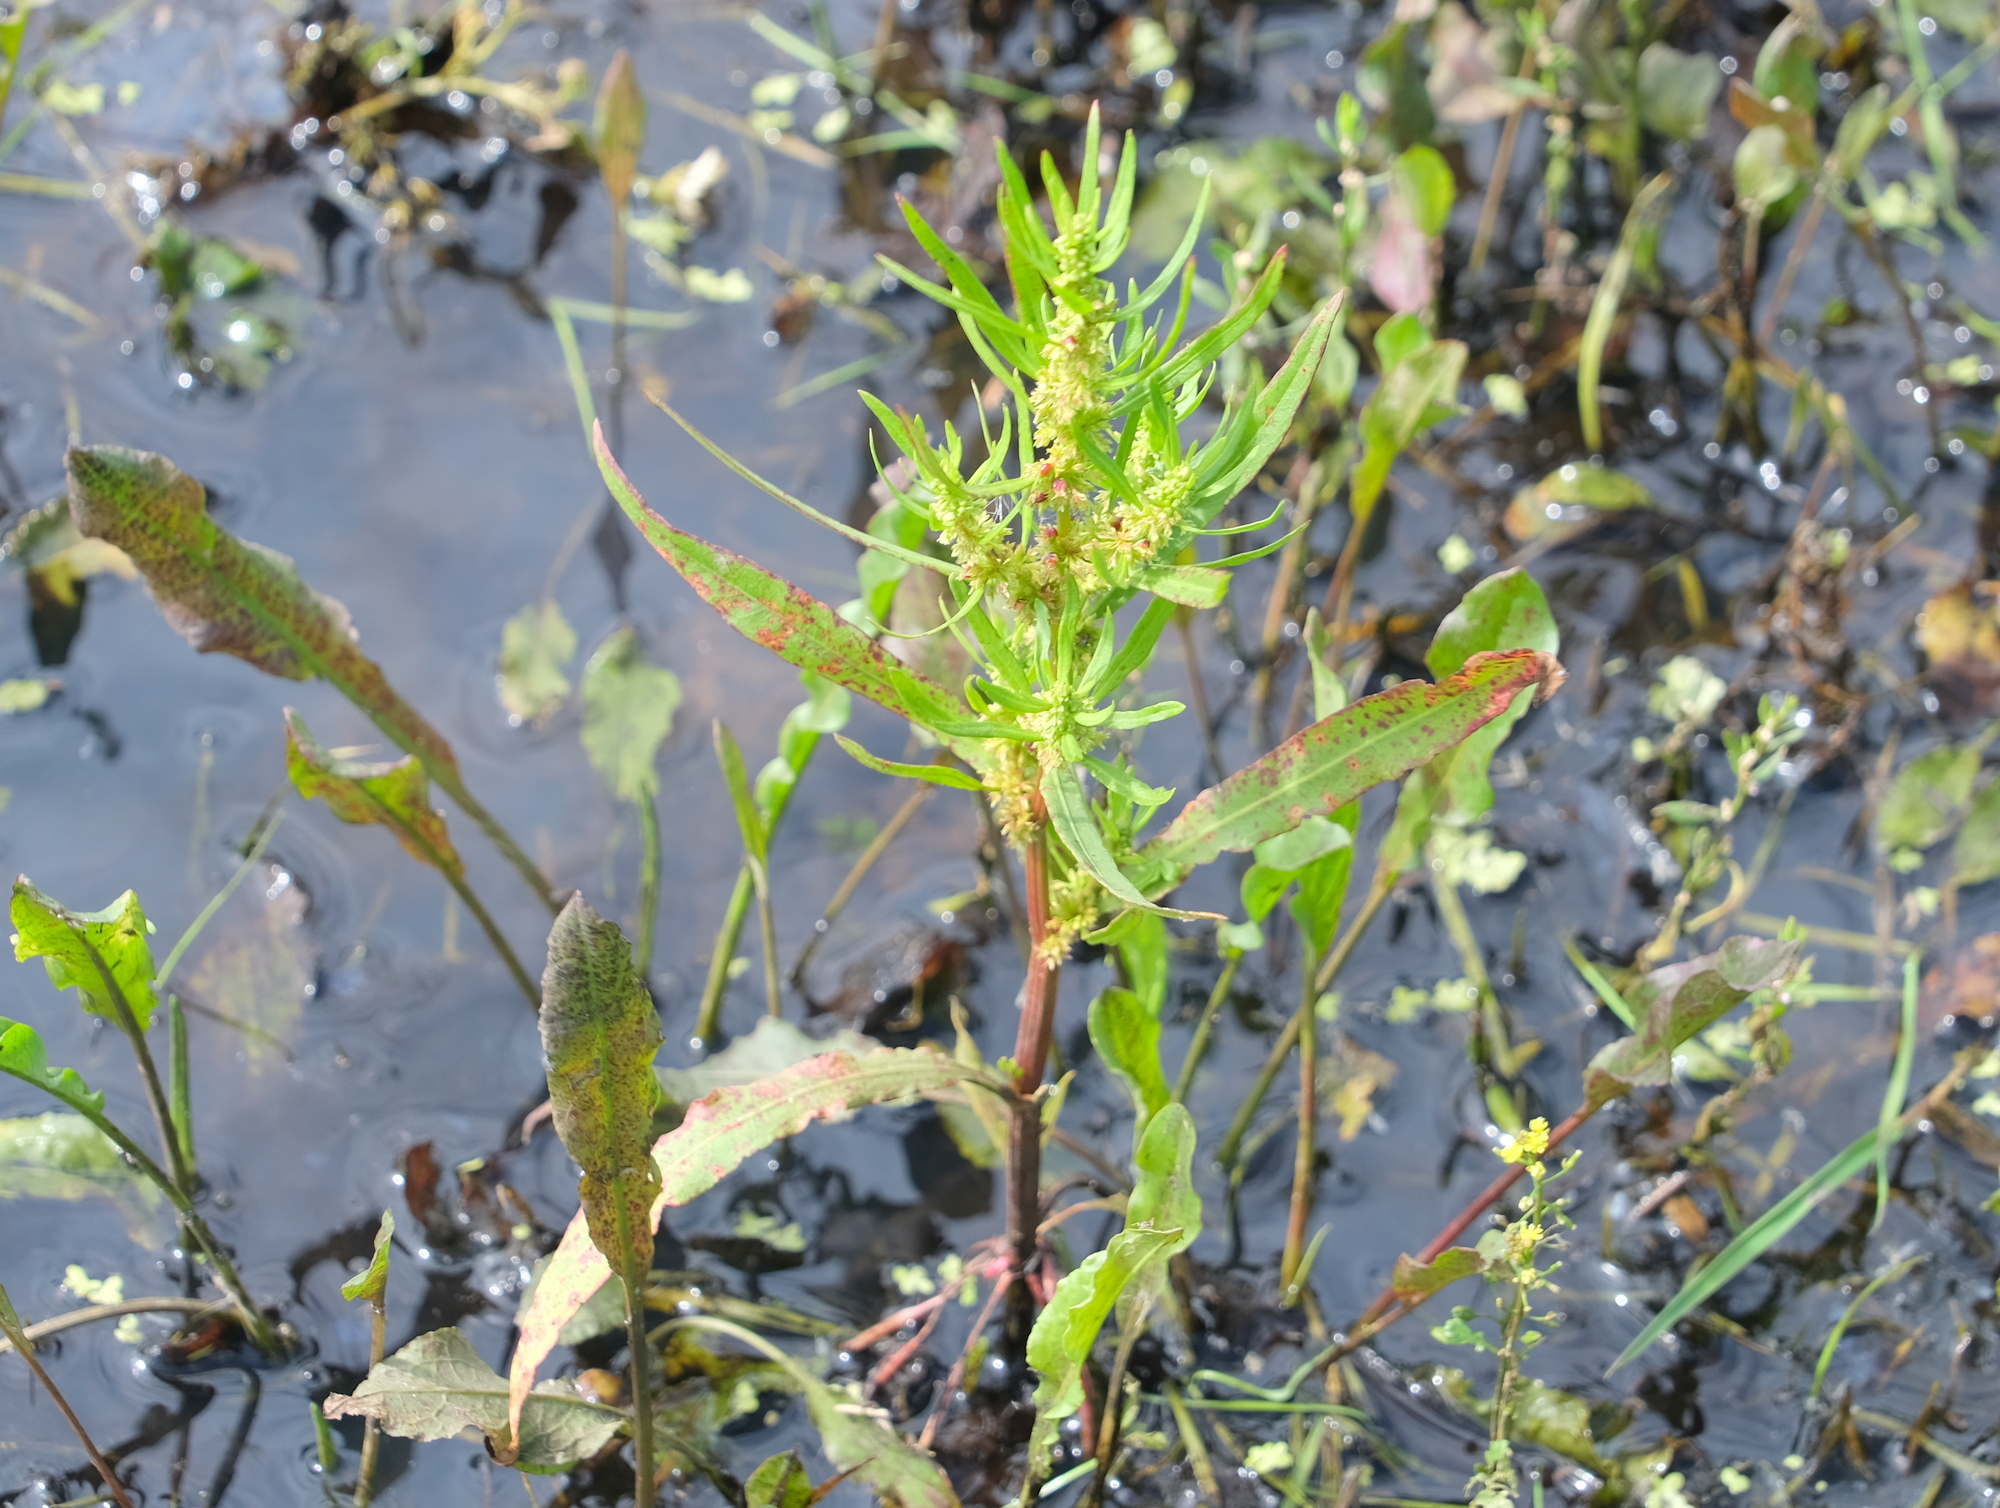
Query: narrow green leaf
[[749, 819], [1127, 1036], [1675, 1003], [79, 948], [1648, 206], [618, 134], [1396, 412], [395, 795], [785, 620], [1898, 1089], [1187, 585], [23, 1055], [437, 1387], [536, 646], [628, 711], [1069, 811], [936, 774], [898, 1474], [373, 1280], [1320, 770], [1268, 417], [600, 1032]]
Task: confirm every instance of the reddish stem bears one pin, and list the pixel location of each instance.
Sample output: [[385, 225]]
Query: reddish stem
[[1031, 1055]]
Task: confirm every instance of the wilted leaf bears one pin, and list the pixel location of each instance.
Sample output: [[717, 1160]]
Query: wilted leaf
[[1163, 1216], [1927, 797], [1677, 91], [1416, 1281], [1675, 1003], [437, 1388], [619, 132], [1320, 770], [1401, 269], [1350, 1076], [373, 1280], [57, 1156], [599, 1034], [1465, 83], [81, 948], [536, 647], [1570, 494], [1127, 1036], [395, 795], [628, 711]]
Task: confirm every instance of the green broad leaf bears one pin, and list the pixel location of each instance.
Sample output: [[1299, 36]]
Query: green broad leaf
[[1142, 952], [536, 647], [1322, 768], [1506, 611], [792, 625], [1569, 494], [23, 1055], [396, 795], [1763, 169], [1323, 887], [771, 1045], [1076, 825], [373, 1280], [1266, 419], [437, 1388], [1398, 338], [898, 1474], [228, 596], [1860, 128], [1677, 91], [1415, 1281], [1162, 1218], [1788, 66], [1396, 412], [102, 955], [1127, 1036], [600, 1033], [628, 711], [1975, 855], [1187, 585], [58, 1156], [936, 774], [780, 1482], [1427, 187], [1675, 1003], [1927, 797], [1262, 888], [1312, 839], [618, 134]]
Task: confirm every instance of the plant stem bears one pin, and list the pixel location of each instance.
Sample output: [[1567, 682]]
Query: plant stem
[[179, 1089], [1307, 1155], [261, 840], [1774, 308], [149, 1072], [455, 877], [643, 1494], [761, 878], [1501, 171], [649, 886], [1336, 958], [857, 874], [1198, 1046], [10, 1325], [371, 1437], [453, 785], [708, 1025], [1198, 691], [1031, 1051]]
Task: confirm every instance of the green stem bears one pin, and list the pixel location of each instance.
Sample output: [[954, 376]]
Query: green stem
[[453, 785], [644, 1495], [10, 1325], [179, 1083], [761, 878], [149, 1072], [265, 832], [708, 1025], [1198, 1046], [371, 1437], [649, 886], [1336, 959], [455, 877], [1303, 1162]]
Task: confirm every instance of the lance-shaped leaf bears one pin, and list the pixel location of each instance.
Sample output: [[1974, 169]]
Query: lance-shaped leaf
[[1162, 1217], [1321, 769], [1416, 1281], [796, 627], [373, 1280], [873, 1454], [395, 795], [99, 954], [618, 133], [1412, 393], [1127, 1036], [437, 1388], [1676, 1002], [628, 711], [718, 1133], [23, 1055], [228, 596], [600, 1033]]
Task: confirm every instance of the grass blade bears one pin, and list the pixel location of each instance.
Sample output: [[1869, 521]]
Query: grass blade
[[1898, 1090]]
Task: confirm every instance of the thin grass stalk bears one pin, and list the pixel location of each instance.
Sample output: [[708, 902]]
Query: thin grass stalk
[[708, 1024], [1198, 1045], [180, 1095], [1774, 307], [761, 877], [10, 1325], [1496, 178], [267, 828], [1198, 691], [649, 886], [463, 890], [1303, 1162]]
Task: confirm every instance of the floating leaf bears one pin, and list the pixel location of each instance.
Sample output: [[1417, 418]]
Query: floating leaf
[[1570, 494], [1927, 797], [258, 968], [785, 620], [373, 1280], [1677, 91], [628, 711], [536, 647], [1321, 769], [1162, 1217], [1675, 1003], [1127, 1036], [600, 1032], [395, 795], [58, 1156], [1975, 856], [437, 1388], [81, 948], [27, 695]]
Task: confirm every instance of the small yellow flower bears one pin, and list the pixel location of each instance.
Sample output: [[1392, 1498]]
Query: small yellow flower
[[1528, 1146]]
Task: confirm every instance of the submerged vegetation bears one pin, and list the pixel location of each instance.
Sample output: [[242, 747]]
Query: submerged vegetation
[[1507, 342]]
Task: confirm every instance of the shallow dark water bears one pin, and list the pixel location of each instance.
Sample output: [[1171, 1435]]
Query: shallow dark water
[[430, 484]]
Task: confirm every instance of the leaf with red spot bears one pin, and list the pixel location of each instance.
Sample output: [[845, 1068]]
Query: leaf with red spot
[[1321, 769]]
